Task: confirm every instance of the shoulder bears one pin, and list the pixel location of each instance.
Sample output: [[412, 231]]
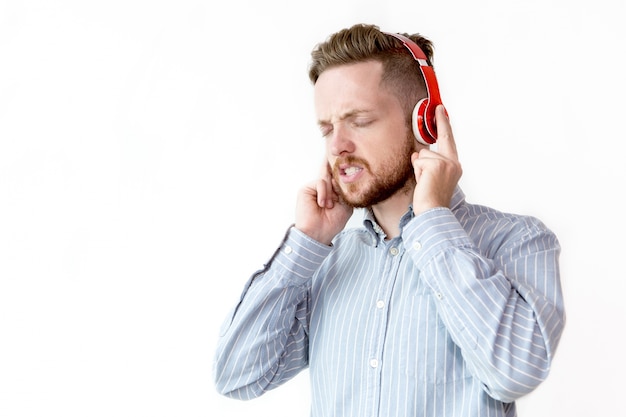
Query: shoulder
[[354, 236], [492, 229]]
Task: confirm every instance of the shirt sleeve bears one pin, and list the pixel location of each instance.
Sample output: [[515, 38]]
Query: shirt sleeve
[[264, 341], [497, 292]]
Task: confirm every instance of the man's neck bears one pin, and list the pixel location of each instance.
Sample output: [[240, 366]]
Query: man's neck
[[389, 212]]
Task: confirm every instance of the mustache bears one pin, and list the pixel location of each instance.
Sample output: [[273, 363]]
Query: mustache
[[350, 160]]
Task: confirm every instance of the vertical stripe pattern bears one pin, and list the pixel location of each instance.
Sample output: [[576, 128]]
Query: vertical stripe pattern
[[458, 316]]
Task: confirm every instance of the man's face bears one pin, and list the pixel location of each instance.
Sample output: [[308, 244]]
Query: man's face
[[368, 143]]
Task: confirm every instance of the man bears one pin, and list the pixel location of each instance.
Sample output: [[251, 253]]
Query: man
[[435, 307]]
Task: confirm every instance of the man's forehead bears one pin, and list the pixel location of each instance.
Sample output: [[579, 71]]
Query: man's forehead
[[347, 90]]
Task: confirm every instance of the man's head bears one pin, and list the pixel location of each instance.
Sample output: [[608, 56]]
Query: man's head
[[366, 85], [361, 43]]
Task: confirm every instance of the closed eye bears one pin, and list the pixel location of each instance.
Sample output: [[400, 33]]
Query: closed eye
[[325, 129], [354, 119], [362, 122]]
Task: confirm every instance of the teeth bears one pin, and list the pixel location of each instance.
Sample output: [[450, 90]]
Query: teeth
[[352, 171]]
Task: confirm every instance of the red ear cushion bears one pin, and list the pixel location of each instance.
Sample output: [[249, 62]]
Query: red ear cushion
[[420, 130]]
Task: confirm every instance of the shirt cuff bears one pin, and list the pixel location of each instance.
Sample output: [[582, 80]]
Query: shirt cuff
[[300, 256], [433, 232]]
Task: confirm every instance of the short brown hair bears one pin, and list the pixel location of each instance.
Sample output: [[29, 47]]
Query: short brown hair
[[362, 43]]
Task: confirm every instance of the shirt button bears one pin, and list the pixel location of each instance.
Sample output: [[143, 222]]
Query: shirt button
[[374, 363], [394, 251], [380, 304], [288, 249], [417, 246], [439, 295]]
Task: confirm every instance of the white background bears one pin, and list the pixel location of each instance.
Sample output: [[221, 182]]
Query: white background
[[150, 153]]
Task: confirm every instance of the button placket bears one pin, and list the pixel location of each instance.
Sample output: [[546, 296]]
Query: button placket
[[394, 256]]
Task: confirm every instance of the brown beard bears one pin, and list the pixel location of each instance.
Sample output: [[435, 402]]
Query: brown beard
[[395, 175]]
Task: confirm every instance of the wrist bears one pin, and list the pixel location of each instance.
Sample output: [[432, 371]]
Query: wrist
[[314, 234]]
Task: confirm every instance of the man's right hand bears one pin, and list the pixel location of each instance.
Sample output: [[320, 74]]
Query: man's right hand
[[320, 213]]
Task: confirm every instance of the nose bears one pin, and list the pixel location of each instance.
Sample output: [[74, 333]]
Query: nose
[[340, 141]]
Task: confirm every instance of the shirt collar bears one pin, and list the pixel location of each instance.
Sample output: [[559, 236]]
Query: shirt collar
[[369, 220]]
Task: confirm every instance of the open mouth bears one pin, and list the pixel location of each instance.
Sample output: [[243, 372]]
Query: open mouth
[[350, 173]]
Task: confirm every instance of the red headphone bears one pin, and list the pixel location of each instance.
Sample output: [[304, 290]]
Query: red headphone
[[423, 120]]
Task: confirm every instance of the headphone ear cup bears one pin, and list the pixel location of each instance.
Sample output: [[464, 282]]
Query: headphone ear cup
[[419, 123]]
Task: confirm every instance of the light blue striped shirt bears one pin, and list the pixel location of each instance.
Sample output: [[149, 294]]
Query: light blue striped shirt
[[458, 316]]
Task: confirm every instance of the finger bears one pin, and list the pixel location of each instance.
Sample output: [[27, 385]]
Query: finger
[[321, 190], [417, 169], [336, 192], [446, 145], [328, 184]]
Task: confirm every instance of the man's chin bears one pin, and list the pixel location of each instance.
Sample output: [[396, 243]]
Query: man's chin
[[368, 198], [349, 199], [354, 200]]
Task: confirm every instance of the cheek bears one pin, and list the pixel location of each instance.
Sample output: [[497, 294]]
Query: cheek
[[327, 152], [330, 160], [330, 164]]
